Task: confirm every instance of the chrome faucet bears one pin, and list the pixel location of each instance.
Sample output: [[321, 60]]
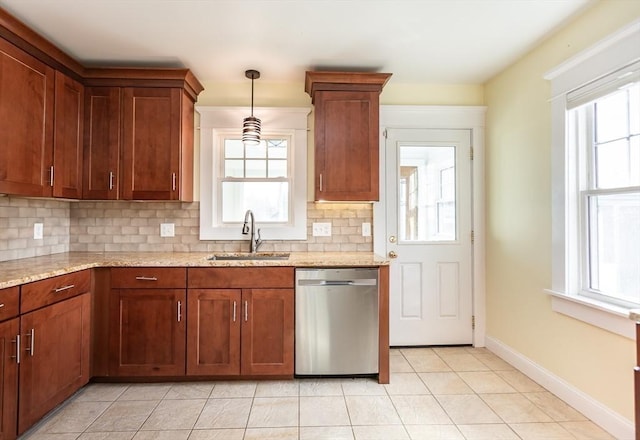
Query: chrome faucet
[[254, 242]]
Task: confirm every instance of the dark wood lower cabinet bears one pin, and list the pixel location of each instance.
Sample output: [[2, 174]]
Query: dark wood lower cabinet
[[148, 332], [9, 379], [54, 357], [213, 332], [267, 332], [240, 332]]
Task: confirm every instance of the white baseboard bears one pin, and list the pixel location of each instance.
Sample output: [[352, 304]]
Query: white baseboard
[[609, 420]]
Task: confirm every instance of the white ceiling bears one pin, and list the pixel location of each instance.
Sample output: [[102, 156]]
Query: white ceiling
[[419, 41]]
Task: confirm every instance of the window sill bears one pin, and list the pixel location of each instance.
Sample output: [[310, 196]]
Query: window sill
[[597, 313]]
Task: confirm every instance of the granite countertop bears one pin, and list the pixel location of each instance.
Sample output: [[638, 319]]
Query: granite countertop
[[16, 272]]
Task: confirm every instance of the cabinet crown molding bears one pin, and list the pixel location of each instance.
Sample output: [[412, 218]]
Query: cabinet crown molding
[[347, 81]]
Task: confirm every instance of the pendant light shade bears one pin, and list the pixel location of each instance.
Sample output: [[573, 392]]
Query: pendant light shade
[[251, 124]]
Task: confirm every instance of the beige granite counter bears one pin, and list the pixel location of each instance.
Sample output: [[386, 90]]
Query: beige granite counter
[[16, 272]]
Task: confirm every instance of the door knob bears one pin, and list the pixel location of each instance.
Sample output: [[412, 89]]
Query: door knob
[[392, 254], [392, 239]]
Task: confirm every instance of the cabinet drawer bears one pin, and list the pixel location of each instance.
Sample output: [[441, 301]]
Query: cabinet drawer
[[9, 302], [241, 277], [41, 293], [149, 277]]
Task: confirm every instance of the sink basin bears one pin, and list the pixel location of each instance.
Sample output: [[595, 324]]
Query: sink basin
[[256, 256]]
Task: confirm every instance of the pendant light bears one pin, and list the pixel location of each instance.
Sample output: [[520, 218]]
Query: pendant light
[[251, 124]]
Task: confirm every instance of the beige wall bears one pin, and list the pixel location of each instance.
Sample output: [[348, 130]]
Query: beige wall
[[268, 94], [518, 211]]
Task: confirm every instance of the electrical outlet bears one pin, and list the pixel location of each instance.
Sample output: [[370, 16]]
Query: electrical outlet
[[167, 230], [366, 229], [38, 231], [321, 229]]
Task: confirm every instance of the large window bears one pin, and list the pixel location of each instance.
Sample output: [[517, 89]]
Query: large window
[[269, 179], [605, 134], [595, 242]]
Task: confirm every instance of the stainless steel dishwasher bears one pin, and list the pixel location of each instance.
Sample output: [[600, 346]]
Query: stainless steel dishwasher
[[336, 321]]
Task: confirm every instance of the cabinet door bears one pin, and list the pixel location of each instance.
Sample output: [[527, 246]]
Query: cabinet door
[[213, 332], [9, 379], [267, 332], [151, 143], [55, 357], [101, 143], [147, 336], [346, 145], [26, 123], [67, 141]]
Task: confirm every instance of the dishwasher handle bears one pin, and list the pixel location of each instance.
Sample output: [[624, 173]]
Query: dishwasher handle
[[361, 282]]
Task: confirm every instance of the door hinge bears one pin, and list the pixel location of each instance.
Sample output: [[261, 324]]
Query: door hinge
[[473, 322], [384, 133], [472, 237], [470, 153]]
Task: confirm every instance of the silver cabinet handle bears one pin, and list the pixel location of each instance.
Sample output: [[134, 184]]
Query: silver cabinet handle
[[173, 181], [62, 289], [234, 311], [320, 182], [179, 311], [32, 336], [51, 175], [1, 305], [147, 278], [17, 342], [110, 179], [246, 311]]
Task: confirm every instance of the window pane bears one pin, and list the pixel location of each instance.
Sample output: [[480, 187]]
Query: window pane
[[234, 168], [257, 151], [269, 201], [277, 148], [256, 168], [277, 168], [233, 148], [426, 199], [614, 234], [612, 117], [634, 109], [612, 164]]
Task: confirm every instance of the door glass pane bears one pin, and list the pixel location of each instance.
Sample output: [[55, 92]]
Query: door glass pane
[[427, 193]]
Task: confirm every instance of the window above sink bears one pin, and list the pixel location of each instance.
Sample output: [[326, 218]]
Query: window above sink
[[270, 179]]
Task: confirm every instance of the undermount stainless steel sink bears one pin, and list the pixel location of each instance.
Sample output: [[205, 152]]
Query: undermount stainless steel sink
[[256, 256]]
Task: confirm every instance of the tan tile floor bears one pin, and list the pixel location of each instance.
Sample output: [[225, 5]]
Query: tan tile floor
[[449, 393]]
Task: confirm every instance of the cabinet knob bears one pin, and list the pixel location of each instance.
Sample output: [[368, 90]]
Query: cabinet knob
[[392, 254]]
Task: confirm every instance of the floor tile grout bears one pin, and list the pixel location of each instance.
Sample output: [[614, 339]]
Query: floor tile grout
[[501, 408]]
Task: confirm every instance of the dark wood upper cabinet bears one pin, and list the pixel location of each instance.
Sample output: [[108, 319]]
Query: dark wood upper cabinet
[[68, 137], [102, 143], [26, 122], [151, 144], [346, 115], [137, 139]]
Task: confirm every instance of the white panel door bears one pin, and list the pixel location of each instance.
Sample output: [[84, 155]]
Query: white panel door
[[428, 224]]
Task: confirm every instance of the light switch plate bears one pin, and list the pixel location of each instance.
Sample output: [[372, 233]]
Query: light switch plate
[[321, 230], [167, 230], [38, 231], [366, 229]]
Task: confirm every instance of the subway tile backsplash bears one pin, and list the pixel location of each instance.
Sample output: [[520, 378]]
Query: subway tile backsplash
[[107, 226], [17, 217]]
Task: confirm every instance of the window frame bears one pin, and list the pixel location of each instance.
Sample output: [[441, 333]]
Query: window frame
[[606, 56], [215, 123], [584, 120]]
